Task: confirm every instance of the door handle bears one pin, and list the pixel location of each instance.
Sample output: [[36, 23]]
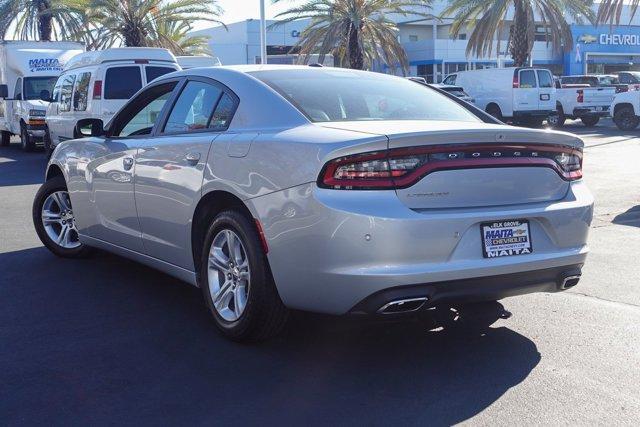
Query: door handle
[[192, 158], [127, 162]]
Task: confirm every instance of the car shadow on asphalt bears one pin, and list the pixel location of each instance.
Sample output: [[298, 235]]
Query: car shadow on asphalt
[[631, 217], [105, 340], [20, 168]]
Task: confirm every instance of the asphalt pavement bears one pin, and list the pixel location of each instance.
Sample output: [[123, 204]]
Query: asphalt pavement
[[107, 341]]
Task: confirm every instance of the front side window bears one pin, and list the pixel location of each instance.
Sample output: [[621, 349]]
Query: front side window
[[344, 95], [139, 116], [527, 79], [81, 92], [192, 111], [122, 82], [34, 86], [153, 72], [66, 92], [17, 91], [544, 78], [55, 96], [450, 80]]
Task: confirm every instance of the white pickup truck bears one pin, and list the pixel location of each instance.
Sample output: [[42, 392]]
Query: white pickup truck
[[626, 110], [580, 101]]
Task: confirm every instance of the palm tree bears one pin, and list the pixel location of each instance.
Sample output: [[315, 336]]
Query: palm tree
[[173, 36], [140, 22], [487, 18], [610, 11], [39, 19], [357, 32]]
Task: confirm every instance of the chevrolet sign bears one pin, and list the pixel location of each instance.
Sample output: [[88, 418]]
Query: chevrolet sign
[[587, 39]]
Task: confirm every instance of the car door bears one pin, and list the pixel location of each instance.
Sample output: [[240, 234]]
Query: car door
[[109, 175], [546, 93], [170, 168], [526, 94], [17, 106]]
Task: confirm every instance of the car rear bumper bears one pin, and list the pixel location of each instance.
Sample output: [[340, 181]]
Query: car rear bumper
[[329, 250], [591, 111], [471, 290]]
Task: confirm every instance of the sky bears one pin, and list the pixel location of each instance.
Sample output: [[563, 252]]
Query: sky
[[239, 10]]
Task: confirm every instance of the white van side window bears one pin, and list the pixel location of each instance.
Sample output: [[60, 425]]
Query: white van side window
[[544, 78], [17, 92], [66, 91], [528, 79], [55, 96], [81, 92]]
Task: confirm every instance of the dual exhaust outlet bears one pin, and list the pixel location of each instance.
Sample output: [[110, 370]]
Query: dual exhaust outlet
[[408, 305]]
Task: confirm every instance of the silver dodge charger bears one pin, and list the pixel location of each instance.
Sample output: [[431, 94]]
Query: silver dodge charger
[[319, 189]]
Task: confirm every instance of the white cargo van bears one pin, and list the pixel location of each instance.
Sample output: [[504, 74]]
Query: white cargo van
[[522, 95], [96, 84], [28, 71], [187, 62]]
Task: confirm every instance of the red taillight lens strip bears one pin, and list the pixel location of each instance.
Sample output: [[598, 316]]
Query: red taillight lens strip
[[566, 161]]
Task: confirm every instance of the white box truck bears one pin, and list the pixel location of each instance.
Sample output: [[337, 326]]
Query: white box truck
[[28, 73]]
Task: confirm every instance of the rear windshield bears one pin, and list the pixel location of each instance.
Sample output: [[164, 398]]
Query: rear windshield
[[608, 80], [122, 82], [33, 86], [155, 72], [342, 95]]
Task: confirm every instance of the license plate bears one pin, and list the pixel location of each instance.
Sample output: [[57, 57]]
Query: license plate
[[506, 238]]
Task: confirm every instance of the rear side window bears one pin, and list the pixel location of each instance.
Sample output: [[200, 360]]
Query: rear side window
[[81, 92], [122, 82], [155, 72], [192, 111], [224, 113], [527, 79], [450, 80], [66, 92], [544, 78]]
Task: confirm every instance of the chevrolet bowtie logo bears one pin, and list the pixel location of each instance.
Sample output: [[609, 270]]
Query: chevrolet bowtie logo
[[587, 39]]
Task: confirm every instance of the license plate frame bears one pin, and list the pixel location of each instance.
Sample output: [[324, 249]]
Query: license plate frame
[[508, 237]]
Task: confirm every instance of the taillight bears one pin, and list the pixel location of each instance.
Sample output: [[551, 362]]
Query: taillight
[[621, 89], [97, 89], [516, 80], [580, 95], [636, 87], [370, 171], [403, 167]]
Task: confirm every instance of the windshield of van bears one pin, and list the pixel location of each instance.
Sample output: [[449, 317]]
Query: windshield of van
[[342, 95], [34, 85]]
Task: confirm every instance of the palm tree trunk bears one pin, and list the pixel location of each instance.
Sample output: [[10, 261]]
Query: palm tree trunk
[[519, 43], [355, 54], [45, 27]]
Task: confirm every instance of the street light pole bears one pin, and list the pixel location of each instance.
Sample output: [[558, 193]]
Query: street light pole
[[263, 34]]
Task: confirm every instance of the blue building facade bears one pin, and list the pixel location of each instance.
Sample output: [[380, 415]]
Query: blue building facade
[[603, 49]]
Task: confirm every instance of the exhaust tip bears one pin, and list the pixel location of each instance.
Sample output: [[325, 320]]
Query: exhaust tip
[[403, 306], [570, 281]]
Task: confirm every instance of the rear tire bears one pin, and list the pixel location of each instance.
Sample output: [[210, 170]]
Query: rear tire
[[494, 110], [590, 121], [625, 118], [234, 273], [53, 207], [5, 138], [557, 120], [26, 141]]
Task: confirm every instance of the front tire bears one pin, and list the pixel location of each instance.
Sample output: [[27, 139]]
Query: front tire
[[625, 118], [26, 142], [54, 221], [590, 121], [557, 120], [236, 281], [48, 144], [5, 138]]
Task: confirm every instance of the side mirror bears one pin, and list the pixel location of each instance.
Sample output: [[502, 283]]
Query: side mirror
[[89, 127], [45, 95], [4, 91]]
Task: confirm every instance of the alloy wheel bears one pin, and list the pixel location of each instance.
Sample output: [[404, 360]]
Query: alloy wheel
[[228, 275], [58, 220]]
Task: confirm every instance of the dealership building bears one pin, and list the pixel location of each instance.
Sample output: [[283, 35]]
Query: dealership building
[[433, 53]]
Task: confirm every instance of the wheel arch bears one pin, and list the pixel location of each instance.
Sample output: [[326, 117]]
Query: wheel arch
[[53, 170], [210, 205], [620, 105]]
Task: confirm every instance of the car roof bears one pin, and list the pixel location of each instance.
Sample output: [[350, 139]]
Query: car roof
[[97, 57]]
